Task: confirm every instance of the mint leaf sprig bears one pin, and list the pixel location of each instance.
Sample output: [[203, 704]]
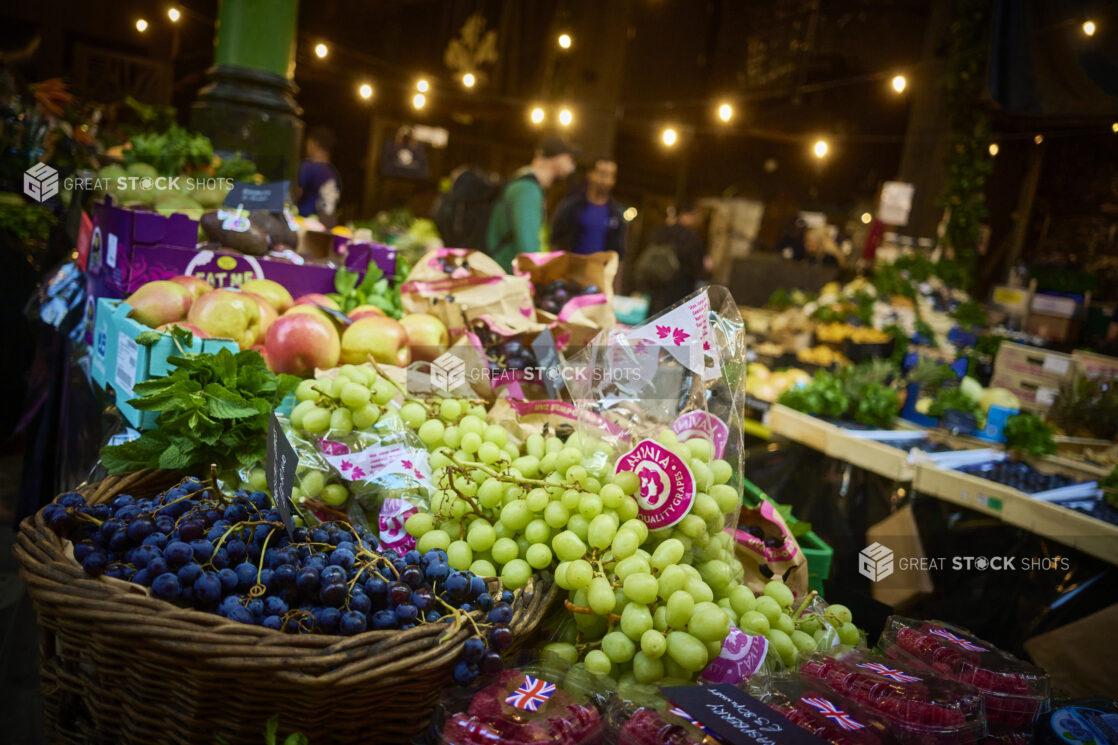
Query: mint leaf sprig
[[213, 409]]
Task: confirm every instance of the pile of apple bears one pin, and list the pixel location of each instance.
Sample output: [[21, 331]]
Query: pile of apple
[[294, 335]]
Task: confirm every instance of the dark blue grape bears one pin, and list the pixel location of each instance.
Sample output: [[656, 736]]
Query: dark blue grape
[[246, 576], [432, 616], [343, 558], [158, 540], [272, 622], [95, 561], [490, 663], [229, 579], [127, 514], [286, 574], [307, 581], [333, 593], [438, 571], [315, 561], [347, 545], [299, 535], [116, 571], [101, 512], [83, 549], [140, 528], [235, 549], [333, 574], [178, 553], [189, 573], [412, 575], [352, 623], [464, 673], [500, 638], [501, 613], [406, 612], [220, 559], [259, 500], [207, 588], [423, 599], [240, 615], [191, 530], [166, 586], [507, 596], [467, 607], [384, 619], [142, 577], [457, 584], [477, 586], [413, 557], [326, 619], [473, 649], [235, 513], [318, 535], [484, 601], [375, 586], [121, 500], [398, 593], [110, 527], [157, 566], [119, 541], [203, 550], [165, 524], [255, 607], [360, 602], [274, 606]]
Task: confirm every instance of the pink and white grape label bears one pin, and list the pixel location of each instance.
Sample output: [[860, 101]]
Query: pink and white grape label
[[687, 335], [704, 426], [667, 486], [377, 461], [390, 524], [741, 657]]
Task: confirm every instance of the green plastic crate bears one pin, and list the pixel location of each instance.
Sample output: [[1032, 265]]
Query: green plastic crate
[[818, 554]]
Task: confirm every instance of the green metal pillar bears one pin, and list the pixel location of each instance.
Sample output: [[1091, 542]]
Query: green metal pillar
[[249, 104]]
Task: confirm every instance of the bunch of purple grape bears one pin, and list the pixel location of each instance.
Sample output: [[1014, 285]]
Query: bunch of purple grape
[[554, 295], [232, 556], [501, 352]]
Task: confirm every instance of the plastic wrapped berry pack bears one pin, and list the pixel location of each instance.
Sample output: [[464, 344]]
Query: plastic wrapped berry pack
[[1015, 692], [813, 706], [654, 723], [921, 707], [531, 704]]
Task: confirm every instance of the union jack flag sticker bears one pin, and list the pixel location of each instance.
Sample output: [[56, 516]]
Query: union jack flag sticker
[[955, 639], [531, 694], [889, 672], [688, 718], [834, 713]]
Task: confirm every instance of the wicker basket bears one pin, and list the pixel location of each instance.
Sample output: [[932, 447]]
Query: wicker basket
[[120, 666]]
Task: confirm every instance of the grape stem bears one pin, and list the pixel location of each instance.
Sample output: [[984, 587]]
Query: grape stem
[[321, 507], [611, 617], [800, 610], [493, 473], [217, 489]]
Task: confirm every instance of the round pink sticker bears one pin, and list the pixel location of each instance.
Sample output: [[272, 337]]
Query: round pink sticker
[[667, 486], [703, 425]]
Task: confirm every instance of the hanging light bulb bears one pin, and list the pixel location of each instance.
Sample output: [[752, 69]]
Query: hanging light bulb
[[564, 41], [469, 80], [365, 91], [141, 25], [174, 14], [993, 149], [899, 83], [669, 137], [418, 101], [1038, 139], [566, 117], [422, 85], [820, 148], [725, 112], [321, 50], [1089, 27], [536, 115]]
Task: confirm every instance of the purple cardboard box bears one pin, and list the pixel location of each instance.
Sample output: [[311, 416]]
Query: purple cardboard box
[[118, 233]]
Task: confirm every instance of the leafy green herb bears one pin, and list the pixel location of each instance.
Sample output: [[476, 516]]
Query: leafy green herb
[[823, 396], [375, 289], [900, 343], [931, 375], [214, 408], [953, 399], [170, 152], [878, 406], [236, 168], [969, 315], [1029, 434], [781, 299], [923, 329]]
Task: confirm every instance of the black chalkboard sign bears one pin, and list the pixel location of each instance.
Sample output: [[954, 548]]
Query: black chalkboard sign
[[550, 360], [248, 196], [280, 465], [737, 718]]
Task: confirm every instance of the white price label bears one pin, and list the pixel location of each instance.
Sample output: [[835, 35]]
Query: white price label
[[110, 250], [1046, 395], [1056, 365], [127, 358]]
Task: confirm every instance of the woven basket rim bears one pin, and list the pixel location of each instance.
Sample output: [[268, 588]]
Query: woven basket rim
[[56, 582]]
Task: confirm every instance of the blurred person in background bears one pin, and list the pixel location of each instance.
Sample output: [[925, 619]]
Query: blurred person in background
[[791, 244], [820, 249], [320, 185], [518, 213], [590, 221], [675, 261]]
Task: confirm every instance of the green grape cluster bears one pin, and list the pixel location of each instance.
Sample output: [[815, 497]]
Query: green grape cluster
[[646, 605], [355, 399], [792, 630]]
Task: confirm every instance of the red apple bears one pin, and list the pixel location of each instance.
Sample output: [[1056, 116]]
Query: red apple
[[228, 314], [365, 311], [198, 333], [383, 338], [195, 285], [311, 310], [275, 293], [268, 314], [427, 336], [297, 343], [315, 298], [159, 302]]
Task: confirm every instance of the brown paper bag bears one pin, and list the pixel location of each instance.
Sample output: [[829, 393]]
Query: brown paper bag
[[456, 285], [1076, 655], [581, 318], [785, 561], [899, 533]]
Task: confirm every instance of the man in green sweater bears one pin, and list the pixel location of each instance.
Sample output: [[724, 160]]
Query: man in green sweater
[[518, 214]]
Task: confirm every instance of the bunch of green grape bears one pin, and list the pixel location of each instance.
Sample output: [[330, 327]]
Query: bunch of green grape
[[645, 605], [792, 629], [355, 399]]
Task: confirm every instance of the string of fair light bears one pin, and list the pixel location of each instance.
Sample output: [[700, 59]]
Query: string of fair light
[[670, 135]]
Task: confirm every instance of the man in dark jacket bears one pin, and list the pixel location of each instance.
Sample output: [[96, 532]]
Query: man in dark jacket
[[590, 221], [674, 261]]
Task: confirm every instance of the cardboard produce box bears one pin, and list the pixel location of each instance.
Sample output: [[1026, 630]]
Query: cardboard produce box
[[1041, 363], [1095, 365]]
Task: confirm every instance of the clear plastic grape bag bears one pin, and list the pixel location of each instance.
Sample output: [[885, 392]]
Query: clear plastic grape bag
[[671, 391]]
